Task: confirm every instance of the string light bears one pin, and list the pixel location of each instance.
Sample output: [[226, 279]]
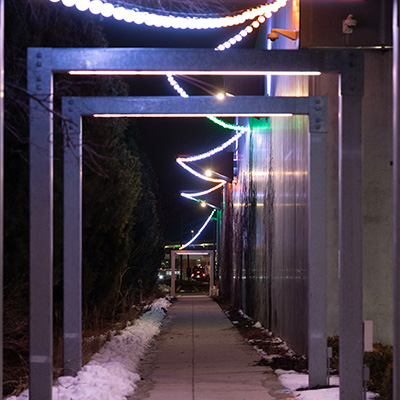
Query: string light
[[223, 46], [243, 33], [199, 232], [204, 192], [215, 150], [174, 20], [182, 161], [224, 124], [193, 196]]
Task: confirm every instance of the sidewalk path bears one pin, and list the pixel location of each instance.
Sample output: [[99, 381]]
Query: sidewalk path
[[201, 356]]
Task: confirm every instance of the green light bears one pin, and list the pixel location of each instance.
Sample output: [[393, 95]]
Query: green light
[[224, 124], [259, 124]]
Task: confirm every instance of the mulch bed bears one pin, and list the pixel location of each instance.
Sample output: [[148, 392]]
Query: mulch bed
[[277, 354]]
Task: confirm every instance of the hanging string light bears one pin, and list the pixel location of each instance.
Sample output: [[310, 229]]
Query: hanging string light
[[193, 196], [199, 232], [221, 47], [174, 20]]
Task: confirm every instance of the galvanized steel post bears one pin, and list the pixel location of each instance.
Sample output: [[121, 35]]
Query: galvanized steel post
[[72, 238], [1, 184], [212, 271], [351, 82], [396, 204], [40, 87], [317, 261]]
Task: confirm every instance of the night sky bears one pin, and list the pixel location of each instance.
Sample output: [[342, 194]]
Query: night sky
[[164, 138]]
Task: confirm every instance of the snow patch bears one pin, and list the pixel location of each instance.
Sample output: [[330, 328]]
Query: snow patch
[[295, 381], [111, 373]]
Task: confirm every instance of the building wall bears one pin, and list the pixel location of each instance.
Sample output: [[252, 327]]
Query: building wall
[[266, 215], [267, 209], [377, 194], [265, 222]]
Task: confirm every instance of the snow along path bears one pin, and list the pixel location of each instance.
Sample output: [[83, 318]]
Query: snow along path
[[295, 381], [111, 373]]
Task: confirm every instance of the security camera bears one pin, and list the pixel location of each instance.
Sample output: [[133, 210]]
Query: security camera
[[350, 21], [273, 36], [348, 24]]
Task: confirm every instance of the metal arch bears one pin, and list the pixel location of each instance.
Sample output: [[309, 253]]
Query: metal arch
[[43, 62], [211, 253], [73, 108]]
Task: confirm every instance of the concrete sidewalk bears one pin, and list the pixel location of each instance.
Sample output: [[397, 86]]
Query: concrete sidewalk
[[201, 356]]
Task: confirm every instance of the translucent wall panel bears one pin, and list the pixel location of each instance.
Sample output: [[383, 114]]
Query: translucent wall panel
[[266, 221]]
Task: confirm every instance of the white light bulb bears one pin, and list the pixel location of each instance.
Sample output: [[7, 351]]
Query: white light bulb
[[274, 7], [261, 19], [214, 23], [227, 45], [243, 33], [204, 24], [95, 7], [148, 20], [68, 3], [119, 13], [232, 41], [139, 18], [221, 47], [249, 29], [107, 10], [129, 16], [184, 24], [238, 38], [54, 1], [255, 24], [241, 20], [82, 5], [166, 22], [174, 23]]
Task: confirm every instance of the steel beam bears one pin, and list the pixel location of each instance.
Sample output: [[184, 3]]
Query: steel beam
[[191, 61], [193, 106], [72, 238], [40, 87], [351, 83]]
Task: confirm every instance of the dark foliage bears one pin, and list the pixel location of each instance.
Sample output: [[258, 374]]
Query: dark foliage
[[122, 238], [379, 362]]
